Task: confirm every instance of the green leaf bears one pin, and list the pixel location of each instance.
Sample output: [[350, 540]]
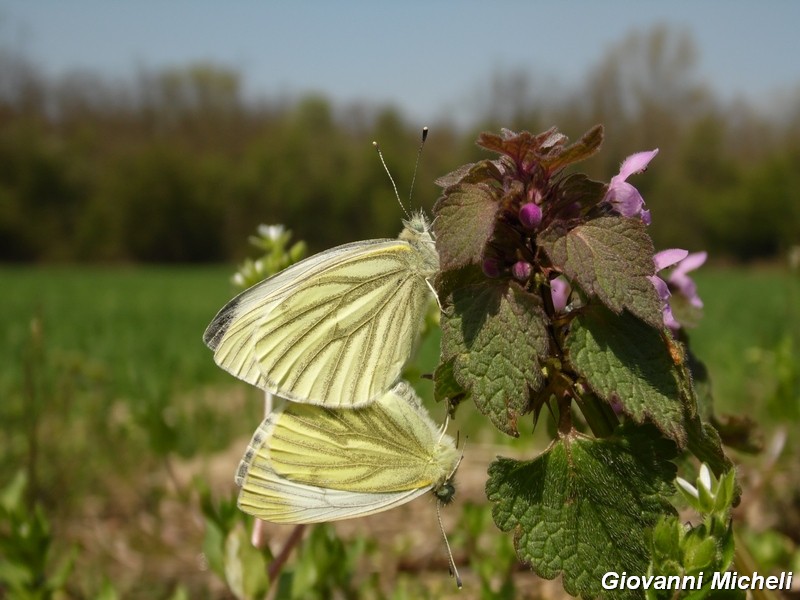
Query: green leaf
[[700, 554], [610, 258], [445, 387], [107, 592], [706, 592], [62, 570], [245, 566], [12, 496], [180, 593], [583, 508], [213, 545], [726, 493], [495, 333], [465, 219], [15, 576], [666, 548], [625, 360], [220, 518]]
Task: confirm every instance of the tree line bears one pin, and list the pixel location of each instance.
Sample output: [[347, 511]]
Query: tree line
[[177, 166]]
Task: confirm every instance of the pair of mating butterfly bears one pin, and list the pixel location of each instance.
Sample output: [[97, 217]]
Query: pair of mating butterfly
[[331, 334]]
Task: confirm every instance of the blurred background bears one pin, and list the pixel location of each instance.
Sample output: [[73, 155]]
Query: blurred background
[[141, 144]]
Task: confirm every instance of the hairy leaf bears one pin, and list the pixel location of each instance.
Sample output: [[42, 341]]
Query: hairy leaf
[[445, 387], [610, 258], [496, 335], [626, 361], [582, 149], [524, 148], [465, 218], [483, 171], [546, 151], [578, 188], [583, 508]]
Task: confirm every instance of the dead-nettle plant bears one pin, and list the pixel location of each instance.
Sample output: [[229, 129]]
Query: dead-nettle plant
[[552, 304]]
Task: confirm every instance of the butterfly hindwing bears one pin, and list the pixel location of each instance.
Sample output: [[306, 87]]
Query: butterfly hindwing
[[307, 461]]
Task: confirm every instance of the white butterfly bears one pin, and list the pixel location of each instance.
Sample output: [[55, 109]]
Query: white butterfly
[[335, 329], [311, 464]]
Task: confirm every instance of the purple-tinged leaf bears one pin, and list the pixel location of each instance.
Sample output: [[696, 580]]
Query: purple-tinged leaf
[[483, 171], [465, 221], [585, 147], [546, 151]]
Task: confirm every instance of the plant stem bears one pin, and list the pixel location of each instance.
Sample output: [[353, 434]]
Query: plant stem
[[276, 565]]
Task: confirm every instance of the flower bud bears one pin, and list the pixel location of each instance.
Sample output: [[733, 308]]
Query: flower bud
[[530, 215], [521, 270]]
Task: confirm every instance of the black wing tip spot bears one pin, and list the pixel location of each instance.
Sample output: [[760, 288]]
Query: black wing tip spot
[[217, 329]]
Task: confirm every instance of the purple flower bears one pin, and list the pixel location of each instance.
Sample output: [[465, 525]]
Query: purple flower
[[625, 198], [662, 260], [560, 289], [680, 283]]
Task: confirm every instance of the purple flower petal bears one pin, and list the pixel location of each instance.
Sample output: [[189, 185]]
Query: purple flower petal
[[662, 289], [625, 198], [682, 283], [662, 260], [667, 258], [635, 163], [560, 289], [692, 262], [678, 281], [669, 319], [686, 287]]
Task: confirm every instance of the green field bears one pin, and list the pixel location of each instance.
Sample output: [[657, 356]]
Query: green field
[[109, 398]]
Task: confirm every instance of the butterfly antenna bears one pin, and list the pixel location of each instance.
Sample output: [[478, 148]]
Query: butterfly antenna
[[416, 163], [452, 566], [394, 185]]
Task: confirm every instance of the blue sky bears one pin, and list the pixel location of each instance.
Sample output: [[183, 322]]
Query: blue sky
[[428, 58]]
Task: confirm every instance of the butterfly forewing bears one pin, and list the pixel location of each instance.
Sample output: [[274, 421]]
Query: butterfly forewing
[[335, 329]]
